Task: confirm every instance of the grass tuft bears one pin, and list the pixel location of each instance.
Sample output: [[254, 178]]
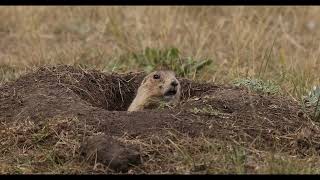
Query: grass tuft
[[258, 85]]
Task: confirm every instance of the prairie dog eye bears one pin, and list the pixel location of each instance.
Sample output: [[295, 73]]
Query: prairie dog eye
[[156, 76]]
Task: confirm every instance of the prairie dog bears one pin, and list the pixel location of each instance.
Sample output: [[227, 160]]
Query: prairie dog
[[156, 87]]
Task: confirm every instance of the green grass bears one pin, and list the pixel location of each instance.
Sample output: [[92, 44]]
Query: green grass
[[151, 58], [258, 85], [312, 99]]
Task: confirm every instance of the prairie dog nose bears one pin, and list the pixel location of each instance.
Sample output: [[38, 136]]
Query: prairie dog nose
[[174, 83]]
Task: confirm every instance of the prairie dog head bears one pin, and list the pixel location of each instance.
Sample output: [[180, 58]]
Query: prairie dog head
[[162, 84], [156, 87]]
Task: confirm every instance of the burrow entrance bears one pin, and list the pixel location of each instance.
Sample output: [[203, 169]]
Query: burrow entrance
[[112, 92]]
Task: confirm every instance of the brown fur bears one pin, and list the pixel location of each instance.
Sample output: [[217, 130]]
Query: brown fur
[[153, 91]]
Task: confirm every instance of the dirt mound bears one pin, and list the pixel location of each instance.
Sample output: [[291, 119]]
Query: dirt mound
[[230, 114]]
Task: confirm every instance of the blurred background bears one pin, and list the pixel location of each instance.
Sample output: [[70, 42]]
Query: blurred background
[[280, 44]]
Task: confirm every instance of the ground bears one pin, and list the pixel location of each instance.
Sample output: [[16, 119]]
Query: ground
[[69, 107]]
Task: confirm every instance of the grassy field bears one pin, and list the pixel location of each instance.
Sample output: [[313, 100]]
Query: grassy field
[[276, 44]]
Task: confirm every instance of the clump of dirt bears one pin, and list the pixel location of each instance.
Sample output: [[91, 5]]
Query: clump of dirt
[[110, 152], [231, 114]]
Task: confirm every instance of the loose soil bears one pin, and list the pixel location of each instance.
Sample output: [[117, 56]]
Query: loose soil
[[99, 100]]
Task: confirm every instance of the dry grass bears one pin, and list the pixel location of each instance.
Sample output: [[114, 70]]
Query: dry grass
[[278, 43], [274, 43], [28, 148]]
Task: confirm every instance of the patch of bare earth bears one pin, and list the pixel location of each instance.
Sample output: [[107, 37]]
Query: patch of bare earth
[[82, 115]]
